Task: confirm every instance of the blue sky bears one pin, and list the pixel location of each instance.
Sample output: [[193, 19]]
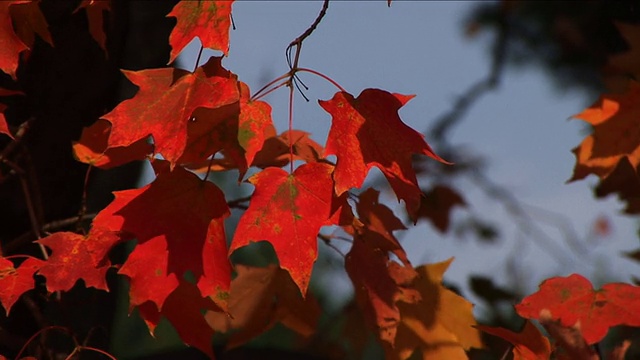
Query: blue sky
[[522, 128]]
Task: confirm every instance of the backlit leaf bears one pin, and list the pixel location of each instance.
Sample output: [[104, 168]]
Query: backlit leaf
[[367, 131], [615, 134], [92, 148], [377, 290], [208, 20], [572, 300], [74, 256], [95, 14], [259, 298], [29, 21], [10, 44], [16, 281], [529, 344], [175, 213], [436, 206], [164, 105], [288, 210], [184, 308], [441, 326]]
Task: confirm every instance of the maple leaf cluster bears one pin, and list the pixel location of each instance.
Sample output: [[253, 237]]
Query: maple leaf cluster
[[189, 122], [186, 123]]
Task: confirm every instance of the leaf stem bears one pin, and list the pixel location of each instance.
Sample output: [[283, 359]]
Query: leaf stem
[[83, 202], [208, 168], [297, 42], [290, 126], [96, 350], [279, 78], [39, 332], [198, 58], [322, 76], [254, 98]]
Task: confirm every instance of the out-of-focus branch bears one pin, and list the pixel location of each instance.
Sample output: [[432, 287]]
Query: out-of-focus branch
[[441, 126]]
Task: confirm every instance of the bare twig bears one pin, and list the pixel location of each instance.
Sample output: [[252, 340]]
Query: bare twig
[[297, 42], [52, 226], [446, 122], [238, 203]]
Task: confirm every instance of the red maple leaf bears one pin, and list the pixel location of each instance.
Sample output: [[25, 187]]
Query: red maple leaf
[[366, 131], [238, 130], [208, 20], [255, 117], [75, 257], [16, 281], [529, 344], [92, 148], [95, 14], [183, 308], [165, 103], [380, 222], [146, 268], [10, 44], [175, 213], [4, 128], [572, 301], [29, 20], [274, 152], [377, 285], [288, 210], [436, 205]]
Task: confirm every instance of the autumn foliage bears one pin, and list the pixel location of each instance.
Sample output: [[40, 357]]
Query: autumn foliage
[[190, 123]]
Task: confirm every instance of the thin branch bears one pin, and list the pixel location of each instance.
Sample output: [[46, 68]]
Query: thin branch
[[446, 122], [297, 42], [35, 225], [22, 130], [198, 58], [237, 201], [506, 353], [43, 330], [52, 226], [271, 83], [327, 241], [324, 77], [525, 223], [290, 138], [83, 202]]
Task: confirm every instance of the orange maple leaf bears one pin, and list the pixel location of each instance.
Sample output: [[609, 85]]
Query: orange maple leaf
[[259, 298], [616, 134], [441, 326]]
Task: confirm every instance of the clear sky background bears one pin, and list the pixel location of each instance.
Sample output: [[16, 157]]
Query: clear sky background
[[522, 128]]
